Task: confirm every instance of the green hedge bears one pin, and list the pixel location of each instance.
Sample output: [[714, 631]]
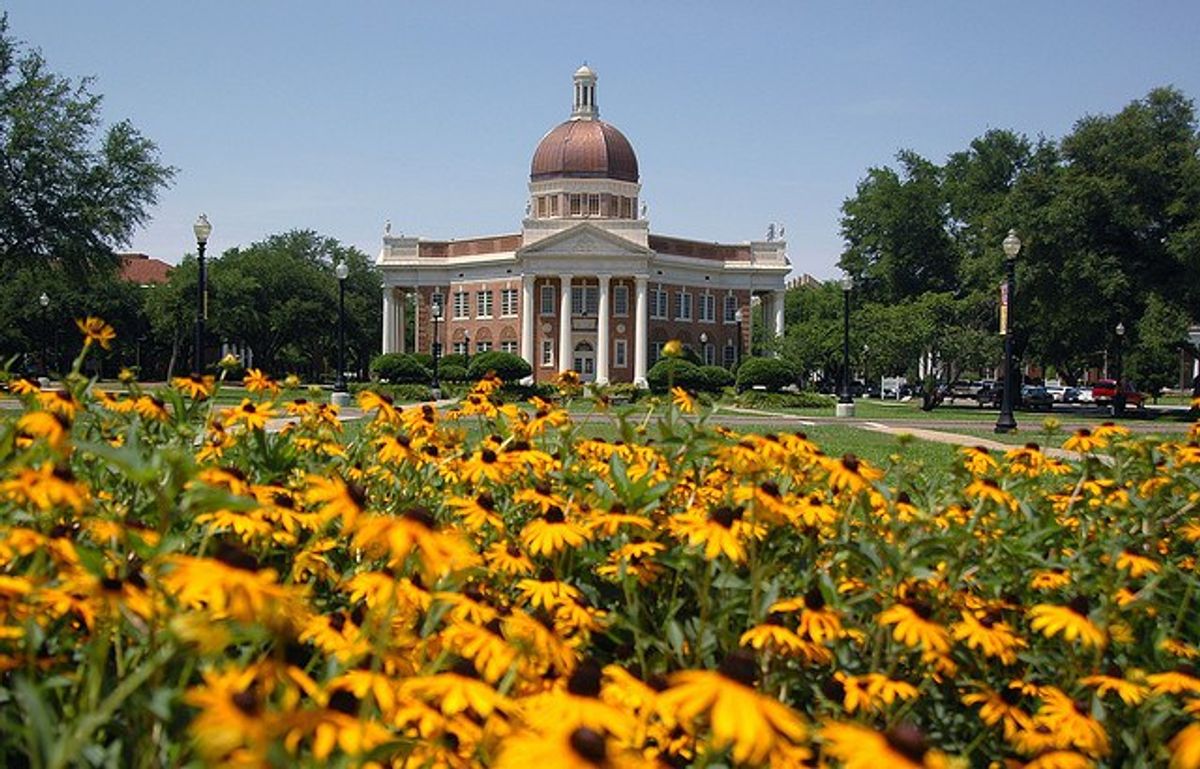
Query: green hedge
[[774, 374], [806, 399], [716, 378], [678, 371], [509, 367], [397, 368], [400, 393], [452, 372]]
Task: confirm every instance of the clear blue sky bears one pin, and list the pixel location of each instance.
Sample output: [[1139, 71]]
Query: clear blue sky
[[337, 116]]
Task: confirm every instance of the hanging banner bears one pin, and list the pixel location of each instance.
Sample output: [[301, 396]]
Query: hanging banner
[[1003, 308]]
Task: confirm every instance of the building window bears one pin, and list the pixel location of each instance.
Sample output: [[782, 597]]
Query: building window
[[585, 300], [710, 354], [483, 304], [658, 303], [683, 306], [708, 308], [460, 305], [554, 205], [547, 300], [483, 346], [576, 205], [620, 353], [547, 352], [508, 302], [541, 206], [730, 354], [460, 348], [655, 352], [509, 347], [620, 301], [593, 205], [577, 300], [436, 300], [731, 309]]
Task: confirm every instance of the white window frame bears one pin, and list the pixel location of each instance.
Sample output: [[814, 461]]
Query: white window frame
[[709, 353], [484, 301], [708, 308], [508, 303], [620, 301], [547, 353], [659, 303], [460, 348], [683, 304], [509, 346], [549, 291], [620, 353], [483, 346], [655, 352], [730, 358], [437, 300], [462, 310]]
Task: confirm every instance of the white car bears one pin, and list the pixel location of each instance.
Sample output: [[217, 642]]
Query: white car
[[1058, 392], [1084, 395]]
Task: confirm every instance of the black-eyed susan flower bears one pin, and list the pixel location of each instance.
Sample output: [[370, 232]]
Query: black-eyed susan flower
[[552, 533], [1137, 565], [1084, 441], [913, 626], [578, 748], [1181, 680], [195, 386], [737, 715], [1002, 707], [1114, 682], [859, 747], [96, 331], [849, 473], [990, 635], [1070, 620]]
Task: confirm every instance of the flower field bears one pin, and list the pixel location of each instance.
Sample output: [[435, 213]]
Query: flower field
[[482, 586]]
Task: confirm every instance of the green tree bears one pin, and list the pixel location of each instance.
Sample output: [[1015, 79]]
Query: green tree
[[1160, 335], [69, 191]]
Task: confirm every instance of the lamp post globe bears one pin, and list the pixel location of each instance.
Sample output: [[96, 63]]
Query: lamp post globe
[[1006, 422], [201, 229], [1119, 392], [341, 395], [845, 404]]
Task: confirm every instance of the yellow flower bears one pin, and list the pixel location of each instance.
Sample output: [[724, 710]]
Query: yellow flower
[[1136, 565], [552, 533], [1071, 620], [1084, 441], [229, 361], [96, 330], [1130, 693], [914, 628], [859, 747], [253, 416], [685, 402], [672, 349], [737, 715], [196, 387], [1185, 746], [258, 382]]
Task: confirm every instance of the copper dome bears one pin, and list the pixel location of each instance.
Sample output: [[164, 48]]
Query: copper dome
[[584, 149]]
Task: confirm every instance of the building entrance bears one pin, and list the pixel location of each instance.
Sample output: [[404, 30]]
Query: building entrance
[[585, 361]]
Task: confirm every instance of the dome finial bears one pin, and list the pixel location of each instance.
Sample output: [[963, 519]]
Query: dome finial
[[585, 95]]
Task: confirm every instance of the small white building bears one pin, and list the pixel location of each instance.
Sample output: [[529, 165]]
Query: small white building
[[584, 285]]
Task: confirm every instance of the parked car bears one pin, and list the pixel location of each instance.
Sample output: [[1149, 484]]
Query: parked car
[[1036, 397], [1058, 392], [990, 394], [1084, 395], [1105, 390], [1071, 395], [960, 390]]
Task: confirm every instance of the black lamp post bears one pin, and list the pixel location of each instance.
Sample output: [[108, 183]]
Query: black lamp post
[[845, 399], [466, 349], [738, 317], [1119, 394], [44, 302], [342, 271], [202, 230], [436, 348], [1006, 422]]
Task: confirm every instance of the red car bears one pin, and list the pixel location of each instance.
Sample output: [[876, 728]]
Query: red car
[[1106, 389]]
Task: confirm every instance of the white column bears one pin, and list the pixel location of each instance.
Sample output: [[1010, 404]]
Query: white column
[[401, 304], [640, 335], [527, 315], [778, 302], [389, 326], [602, 343], [564, 324]]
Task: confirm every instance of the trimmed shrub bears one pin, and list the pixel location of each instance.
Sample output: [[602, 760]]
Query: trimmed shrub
[[716, 378], [623, 391], [453, 359], [400, 393], [509, 367], [686, 375], [397, 368], [774, 374], [805, 399], [424, 358], [452, 372]]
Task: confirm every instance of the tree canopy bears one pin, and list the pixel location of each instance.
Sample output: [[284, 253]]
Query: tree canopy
[[1110, 220], [70, 190]]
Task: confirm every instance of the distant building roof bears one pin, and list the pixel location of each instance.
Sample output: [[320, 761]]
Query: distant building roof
[[143, 269]]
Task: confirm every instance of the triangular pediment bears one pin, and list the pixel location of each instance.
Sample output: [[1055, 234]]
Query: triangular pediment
[[584, 239]]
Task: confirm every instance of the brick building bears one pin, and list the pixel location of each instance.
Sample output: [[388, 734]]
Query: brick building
[[584, 285]]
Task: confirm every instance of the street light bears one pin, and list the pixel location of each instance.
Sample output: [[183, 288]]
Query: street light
[[1119, 394], [845, 404], [1006, 422], [436, 313], [466, 349], [738, 317], [202, 229], [44, 301], [704, 347], [342, 271]]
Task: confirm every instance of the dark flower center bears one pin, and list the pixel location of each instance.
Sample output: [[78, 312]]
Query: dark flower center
[[921, 609], [813, 599], [488, 456], [907, 740], [770, 488], [585, 681], [740, 666], [589, 745], [422, 516], [1033, 447], [111, 584], [357, 494], [486, 501], [1079, 604], [344, 701], [1010, 696], [554, 515], [247, 701], [850, 462], [833, 690], [235, 557]]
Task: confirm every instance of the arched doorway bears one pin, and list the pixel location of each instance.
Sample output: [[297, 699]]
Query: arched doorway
[[585, 361]]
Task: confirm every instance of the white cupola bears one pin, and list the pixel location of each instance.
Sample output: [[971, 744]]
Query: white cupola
[[585, 95]]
